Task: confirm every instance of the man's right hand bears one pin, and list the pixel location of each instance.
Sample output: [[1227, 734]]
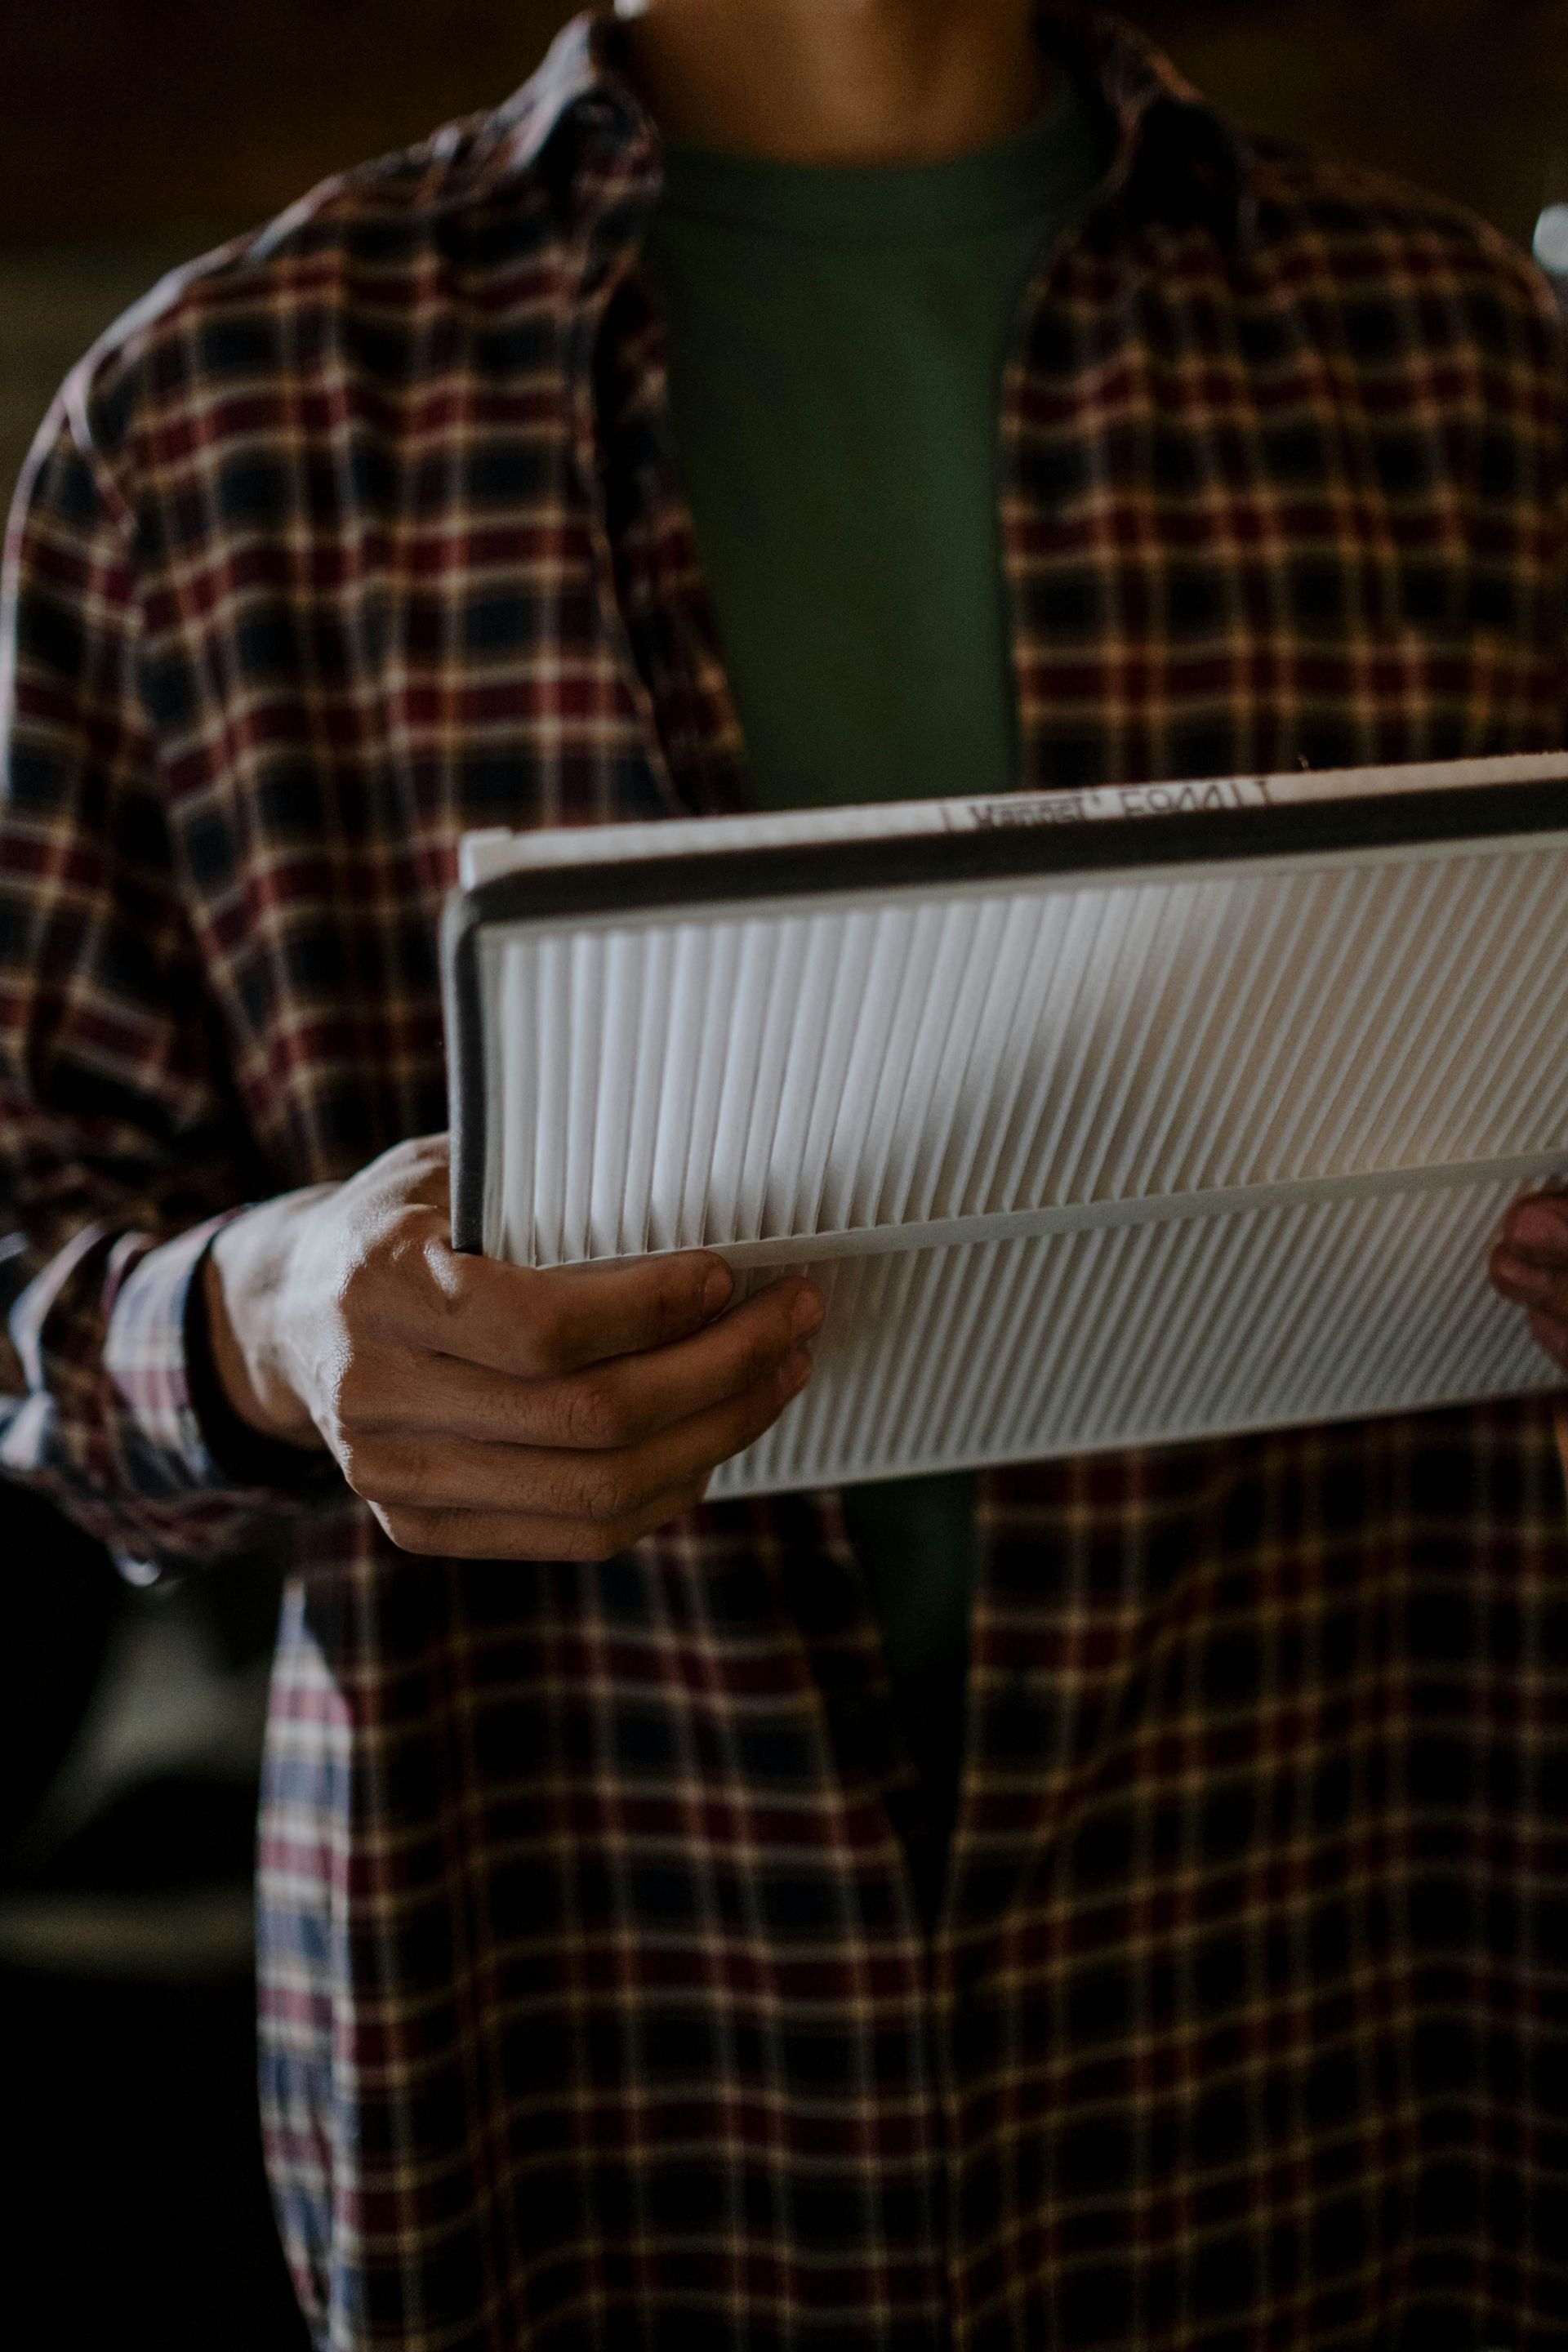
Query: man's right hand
[[489, 1410]]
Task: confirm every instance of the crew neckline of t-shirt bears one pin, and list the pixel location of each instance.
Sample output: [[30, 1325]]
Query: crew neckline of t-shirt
[[1053, 162]]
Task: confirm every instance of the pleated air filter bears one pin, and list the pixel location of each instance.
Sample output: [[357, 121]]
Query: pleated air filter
[[1094, 1133]]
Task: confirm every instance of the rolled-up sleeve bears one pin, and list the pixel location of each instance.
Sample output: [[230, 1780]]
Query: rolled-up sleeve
[[122, 1141]]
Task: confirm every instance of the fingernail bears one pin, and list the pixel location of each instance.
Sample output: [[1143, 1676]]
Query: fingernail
[[1527, 1279], [807, 1312], [716, 1290], [794, 1371], [1536, 1228]]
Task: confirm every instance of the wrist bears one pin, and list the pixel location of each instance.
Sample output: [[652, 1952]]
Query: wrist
[[247, 1291]]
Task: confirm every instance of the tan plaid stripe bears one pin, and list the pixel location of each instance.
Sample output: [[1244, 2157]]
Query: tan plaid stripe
[[598, 2011]]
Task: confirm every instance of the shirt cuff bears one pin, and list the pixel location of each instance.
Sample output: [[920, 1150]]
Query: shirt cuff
[[178, 1432]]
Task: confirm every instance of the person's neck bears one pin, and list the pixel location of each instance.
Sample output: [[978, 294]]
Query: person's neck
[[837, 81]]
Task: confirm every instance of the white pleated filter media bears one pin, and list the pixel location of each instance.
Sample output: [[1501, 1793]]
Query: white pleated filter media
[[1079, 1159]]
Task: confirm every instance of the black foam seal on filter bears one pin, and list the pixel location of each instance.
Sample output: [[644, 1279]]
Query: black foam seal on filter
[[461, 923]]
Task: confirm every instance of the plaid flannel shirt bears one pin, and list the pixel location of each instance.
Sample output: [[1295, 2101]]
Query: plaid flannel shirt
[[597, 2009]]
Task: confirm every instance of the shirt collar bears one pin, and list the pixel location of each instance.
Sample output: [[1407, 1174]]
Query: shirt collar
[[1177, 157]]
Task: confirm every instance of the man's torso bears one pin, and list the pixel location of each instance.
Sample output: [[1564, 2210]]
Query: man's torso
[[1217, 2043]]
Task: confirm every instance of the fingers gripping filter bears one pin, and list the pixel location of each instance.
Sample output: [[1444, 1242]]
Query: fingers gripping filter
[[1101, 1119]]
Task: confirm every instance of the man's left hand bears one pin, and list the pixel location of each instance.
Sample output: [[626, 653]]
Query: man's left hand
[[1530, 1266]]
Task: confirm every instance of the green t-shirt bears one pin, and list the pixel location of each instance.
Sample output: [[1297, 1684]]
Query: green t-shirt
[[836, 338]]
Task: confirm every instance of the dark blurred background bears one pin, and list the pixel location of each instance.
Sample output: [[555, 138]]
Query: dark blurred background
[[133, 134]]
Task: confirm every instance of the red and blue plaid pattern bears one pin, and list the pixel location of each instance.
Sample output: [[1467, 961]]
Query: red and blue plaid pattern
[[597, 2009]]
